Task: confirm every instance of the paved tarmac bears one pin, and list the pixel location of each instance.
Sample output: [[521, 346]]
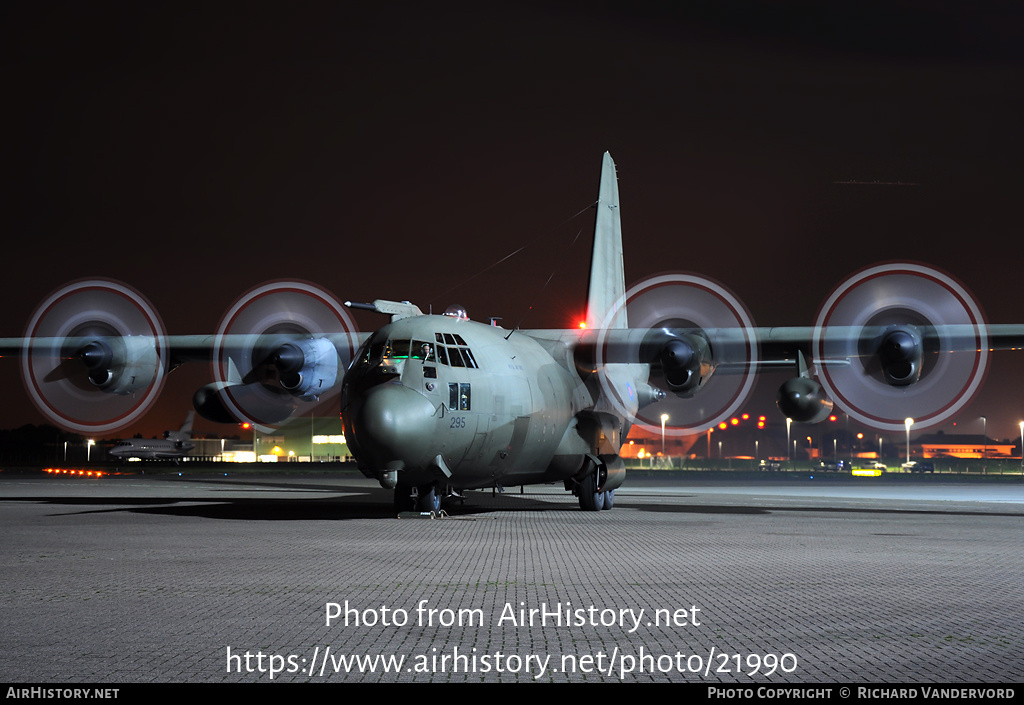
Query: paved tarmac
[[232, 579]]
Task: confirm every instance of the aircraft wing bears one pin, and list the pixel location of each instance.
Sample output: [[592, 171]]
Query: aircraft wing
[[95, 355], [763, 349], [881, 374]]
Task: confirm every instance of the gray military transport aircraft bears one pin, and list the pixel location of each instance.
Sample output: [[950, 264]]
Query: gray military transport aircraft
[[436, 404], [173, 446]]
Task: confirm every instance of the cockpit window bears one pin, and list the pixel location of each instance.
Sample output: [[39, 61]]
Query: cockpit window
[[372, 351], [397, 349], [422, 351], [452, 350]]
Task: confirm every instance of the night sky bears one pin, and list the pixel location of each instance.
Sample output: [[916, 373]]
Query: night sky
[[399, 150]]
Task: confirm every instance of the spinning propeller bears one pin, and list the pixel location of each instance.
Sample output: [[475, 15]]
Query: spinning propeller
[[94, 356], [916, 342], [282, 348], [686, 326]]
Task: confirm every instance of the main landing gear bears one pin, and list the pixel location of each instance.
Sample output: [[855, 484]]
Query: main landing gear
[[586, 490]]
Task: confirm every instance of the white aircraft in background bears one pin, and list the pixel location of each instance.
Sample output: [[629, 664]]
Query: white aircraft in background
[[174, 444]]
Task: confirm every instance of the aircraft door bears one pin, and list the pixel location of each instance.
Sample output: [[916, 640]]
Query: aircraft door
[[460, 423]]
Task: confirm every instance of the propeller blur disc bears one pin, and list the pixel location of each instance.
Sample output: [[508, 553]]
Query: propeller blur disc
[[279, 307], [53, 358], [683, 300], [898, 293]]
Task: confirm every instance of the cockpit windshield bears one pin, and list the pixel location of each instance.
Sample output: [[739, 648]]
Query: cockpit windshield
[[447, 349], [406, 349]]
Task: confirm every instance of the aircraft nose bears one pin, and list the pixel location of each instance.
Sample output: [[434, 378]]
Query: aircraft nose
[[395, 423]]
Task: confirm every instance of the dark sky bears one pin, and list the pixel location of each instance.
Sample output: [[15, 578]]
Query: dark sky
[[398, 150]]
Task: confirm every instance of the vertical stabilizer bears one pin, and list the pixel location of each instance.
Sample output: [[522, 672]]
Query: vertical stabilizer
[[185, 432], [607, 276]]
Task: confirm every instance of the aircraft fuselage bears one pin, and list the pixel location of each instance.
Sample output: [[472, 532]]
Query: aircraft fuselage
[[447, 400]]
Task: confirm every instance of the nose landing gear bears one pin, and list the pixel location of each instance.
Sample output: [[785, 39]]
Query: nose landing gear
[[422, 498]]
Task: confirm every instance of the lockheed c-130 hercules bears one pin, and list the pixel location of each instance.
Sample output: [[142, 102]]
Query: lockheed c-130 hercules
[[436, 404]]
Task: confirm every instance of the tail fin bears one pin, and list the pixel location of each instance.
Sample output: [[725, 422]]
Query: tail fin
[[186, 428], [607, 274]]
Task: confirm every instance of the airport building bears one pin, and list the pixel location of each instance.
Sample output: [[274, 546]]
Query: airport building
[[944, 445], [301, 440]]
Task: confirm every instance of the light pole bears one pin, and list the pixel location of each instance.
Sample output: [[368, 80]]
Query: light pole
[[88, 449], [664, 418], [984, 434], [255, 440], [909, 422], [789, 446]]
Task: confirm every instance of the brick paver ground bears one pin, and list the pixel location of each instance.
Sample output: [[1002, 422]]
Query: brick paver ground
[[225, 580]]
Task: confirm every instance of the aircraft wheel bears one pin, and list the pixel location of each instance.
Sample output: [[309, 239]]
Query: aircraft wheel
[[429, 499], [609, 499], [590, 499]]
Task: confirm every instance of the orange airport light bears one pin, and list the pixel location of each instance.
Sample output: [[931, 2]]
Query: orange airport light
[[73, 472]]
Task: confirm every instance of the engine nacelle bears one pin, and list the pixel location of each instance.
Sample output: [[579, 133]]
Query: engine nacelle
[[803, 400], [307, 368], [682, 361], [216, 402], [900, 354], [119, 365]]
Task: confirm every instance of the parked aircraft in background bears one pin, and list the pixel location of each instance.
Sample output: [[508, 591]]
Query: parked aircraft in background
[[174, 444]]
